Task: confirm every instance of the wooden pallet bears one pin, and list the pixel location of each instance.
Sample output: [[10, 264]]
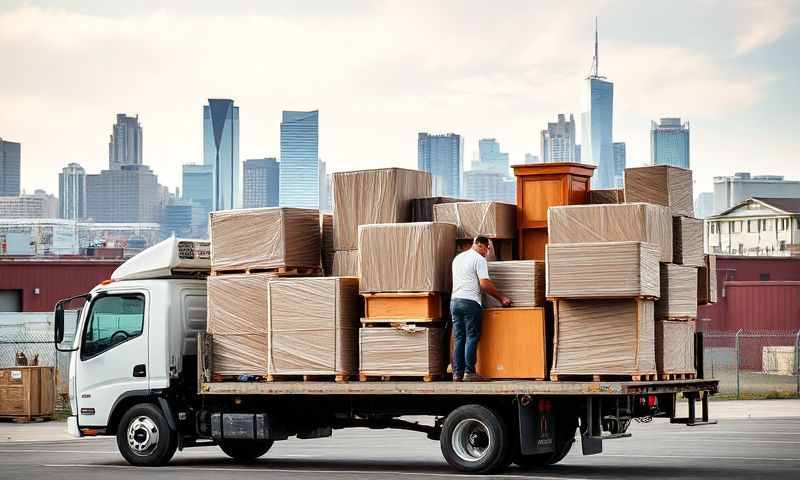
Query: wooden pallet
[[284, 271], [387, 322], [677, 376], [639, 298], [338, 377], [603, 377], [216, 377], [377, 377]]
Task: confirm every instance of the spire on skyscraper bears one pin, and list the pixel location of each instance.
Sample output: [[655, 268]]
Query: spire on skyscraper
[[596, 59]]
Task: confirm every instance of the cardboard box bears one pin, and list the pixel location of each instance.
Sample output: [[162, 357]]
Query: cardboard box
[[678, 292], [602, 270], [345, 263], [605, 196], [406, 257], [265, 238], [523, 281], [422, 208], [687, 234], [513, 343], [373, 196], [401, 351], [662, 185], [675, 346], [326, 240], [312, 325], [629, 222], [604, 337], [707, 281], [489, 219]]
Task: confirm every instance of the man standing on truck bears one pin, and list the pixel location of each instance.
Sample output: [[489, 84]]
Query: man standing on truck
[[470, 277]]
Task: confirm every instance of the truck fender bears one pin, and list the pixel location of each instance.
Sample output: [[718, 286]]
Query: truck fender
[[123, 403], [164, 404]]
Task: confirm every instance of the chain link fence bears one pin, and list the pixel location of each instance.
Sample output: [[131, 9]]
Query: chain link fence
[[750, 364]]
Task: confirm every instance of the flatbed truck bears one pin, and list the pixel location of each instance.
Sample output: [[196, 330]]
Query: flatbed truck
[[141, 370]]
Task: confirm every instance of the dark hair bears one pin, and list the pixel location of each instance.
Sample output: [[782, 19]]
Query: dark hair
[[482, 240]]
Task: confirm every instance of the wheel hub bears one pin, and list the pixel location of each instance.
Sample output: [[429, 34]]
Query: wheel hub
[[471, 440], [142, 435]]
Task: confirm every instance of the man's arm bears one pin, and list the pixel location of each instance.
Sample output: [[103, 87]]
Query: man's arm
[[488, 286]]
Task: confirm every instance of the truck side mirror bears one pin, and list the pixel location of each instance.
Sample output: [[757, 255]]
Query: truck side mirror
[[58, 333]]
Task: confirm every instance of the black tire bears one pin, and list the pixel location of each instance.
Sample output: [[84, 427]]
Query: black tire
[[245, 450], [564, 438], [475, 439], [144, 437]]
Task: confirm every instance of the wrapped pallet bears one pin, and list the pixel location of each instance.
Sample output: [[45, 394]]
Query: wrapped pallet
[[678, 292], [604, 196], [422, 208], [662, 185], [237, 320], [629, 222], [406, 257], [489, 219], [326, 241], [522, 281], [265, 238], [675, 346], [405, 350], [707, 281], [345, 263], [604, 337], [373, 196], [687, 234], [602, 270], [313, 323]]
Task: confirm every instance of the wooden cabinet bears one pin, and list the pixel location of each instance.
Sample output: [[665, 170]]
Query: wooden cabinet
[[402, 306], [513, 343], [540, 186], [27, 392]]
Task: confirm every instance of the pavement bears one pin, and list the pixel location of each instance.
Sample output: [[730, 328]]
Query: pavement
[[753, 439]]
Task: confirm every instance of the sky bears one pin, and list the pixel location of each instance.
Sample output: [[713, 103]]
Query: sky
[[381, 71]]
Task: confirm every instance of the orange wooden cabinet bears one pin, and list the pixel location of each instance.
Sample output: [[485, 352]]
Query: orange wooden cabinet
[[540, 186], [513, 343], [403, 306]]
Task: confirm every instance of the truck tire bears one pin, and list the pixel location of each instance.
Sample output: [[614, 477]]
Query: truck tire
[[144, 437], [475, 439], [245, 450], [564, 438]]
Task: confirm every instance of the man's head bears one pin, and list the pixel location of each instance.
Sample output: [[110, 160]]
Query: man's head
[[481, 245]]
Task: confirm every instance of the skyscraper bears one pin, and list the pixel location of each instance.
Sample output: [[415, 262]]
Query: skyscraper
[[198, 188], [125, 143], [9, 168], [669, 143], [488, 186], [597, 124], [442, 156], [72, 192], [619, 164], [130, 194], [221, 151], [531, 158], [261, 183], [299, 165], [491, 158], [558, 141]]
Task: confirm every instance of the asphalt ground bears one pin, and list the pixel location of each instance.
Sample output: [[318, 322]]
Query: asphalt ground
[[734, 448]]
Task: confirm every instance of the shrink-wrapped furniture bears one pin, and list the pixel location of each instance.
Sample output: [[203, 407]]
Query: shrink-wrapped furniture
[[604, 337], [662, 185], [602, 270], [678, 292], [405, 350], [636, 222], [313, 324], [373, 196], [406, 257], [345, 263], [422, 208], [609, 195], [265, 238], [488, 219], [707, 281], [687, 234], [523, 281], [675, 346], [402, 307], [513, 343]]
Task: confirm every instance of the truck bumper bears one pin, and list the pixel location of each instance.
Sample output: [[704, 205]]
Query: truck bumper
[[72, 426]]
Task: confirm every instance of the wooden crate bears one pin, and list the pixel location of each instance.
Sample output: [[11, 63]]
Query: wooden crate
[[27, 393], [513, 343], [403, 306]]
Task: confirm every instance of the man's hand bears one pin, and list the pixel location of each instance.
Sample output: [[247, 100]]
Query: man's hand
[[506, 302]]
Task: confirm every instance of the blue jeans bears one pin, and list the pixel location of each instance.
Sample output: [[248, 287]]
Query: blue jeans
[[467, 332]]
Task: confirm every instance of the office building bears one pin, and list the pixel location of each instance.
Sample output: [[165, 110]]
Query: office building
[[299, 165], [704, 205], [597, 124], [731, 191], [531, 158], [558, 140], [442, 156], [39, 205], [38, 236], [483, 185], [757, 226], [577, 153], [177, 218], [221, 151], [130, 194], [125, 144], [261, 183], [9, 168], [490, 157], [669, 143], [72, 192], [619, 164]]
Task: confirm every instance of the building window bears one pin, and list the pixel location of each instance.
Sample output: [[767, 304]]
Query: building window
[[763, 277], [713, 227], [782, 246]]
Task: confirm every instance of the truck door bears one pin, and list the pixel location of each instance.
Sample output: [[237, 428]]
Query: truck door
[[113, 355]]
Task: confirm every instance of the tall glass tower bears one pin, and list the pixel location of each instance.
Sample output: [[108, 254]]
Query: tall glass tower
[[442, 156], [221, 151], [597, 125], [669, 143], [299, 165], [72, 192]]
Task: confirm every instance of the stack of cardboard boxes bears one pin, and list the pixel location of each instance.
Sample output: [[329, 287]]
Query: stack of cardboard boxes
[[496, 221]]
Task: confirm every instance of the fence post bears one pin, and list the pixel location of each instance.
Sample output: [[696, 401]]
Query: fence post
[[797, 362], [738, 392]]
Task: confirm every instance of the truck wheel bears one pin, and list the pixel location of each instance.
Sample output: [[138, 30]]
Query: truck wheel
[[245, 450], [564, 438], [475, 439], [144, 437]]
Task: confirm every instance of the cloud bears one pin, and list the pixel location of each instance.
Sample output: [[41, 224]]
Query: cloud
[[768, 22]]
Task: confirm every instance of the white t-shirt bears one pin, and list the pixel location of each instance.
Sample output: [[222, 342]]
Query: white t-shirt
[[469, 268]]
